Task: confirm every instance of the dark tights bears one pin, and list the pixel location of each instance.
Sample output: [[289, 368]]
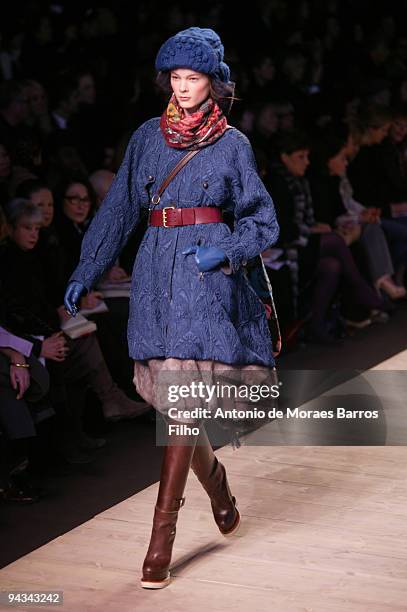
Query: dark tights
[[336, 263]]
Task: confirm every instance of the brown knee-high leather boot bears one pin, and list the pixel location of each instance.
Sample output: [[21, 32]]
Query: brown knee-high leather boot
[[174, 474], [212, 475]]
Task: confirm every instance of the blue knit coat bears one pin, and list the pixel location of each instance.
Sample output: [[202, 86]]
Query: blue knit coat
[[174, 310]]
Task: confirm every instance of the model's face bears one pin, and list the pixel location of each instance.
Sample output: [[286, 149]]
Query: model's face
[[43, 198], [337, 164], [77, 203], [26, 233], [190, 88], [296, 162]]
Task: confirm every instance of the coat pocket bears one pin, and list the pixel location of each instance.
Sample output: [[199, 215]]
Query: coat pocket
[[233, 298], [213, 189]]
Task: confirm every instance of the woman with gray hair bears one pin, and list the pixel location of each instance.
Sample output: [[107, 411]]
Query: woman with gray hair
[[73, 369]]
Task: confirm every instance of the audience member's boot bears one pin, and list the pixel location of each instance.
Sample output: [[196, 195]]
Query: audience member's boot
[[117, 406], [115, 403]]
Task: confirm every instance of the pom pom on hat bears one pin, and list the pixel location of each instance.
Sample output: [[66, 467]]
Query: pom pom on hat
[[199, 49]]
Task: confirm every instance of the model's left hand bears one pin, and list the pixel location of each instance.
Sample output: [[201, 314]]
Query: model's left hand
[[207, 258]]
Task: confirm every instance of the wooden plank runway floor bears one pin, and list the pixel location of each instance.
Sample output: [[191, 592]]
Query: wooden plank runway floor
[[324, 530]]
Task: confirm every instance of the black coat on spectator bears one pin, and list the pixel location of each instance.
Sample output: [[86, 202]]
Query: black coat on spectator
[[23, 281], [51, 254], [326, 197], [393, 178], [285, 207], [370, 176], [307, 254], [70, 236]]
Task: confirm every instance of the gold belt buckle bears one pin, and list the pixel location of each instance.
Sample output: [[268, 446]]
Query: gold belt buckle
[[165, 215]]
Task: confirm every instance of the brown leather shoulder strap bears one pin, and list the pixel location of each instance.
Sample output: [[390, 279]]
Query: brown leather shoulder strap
[[182, 162]]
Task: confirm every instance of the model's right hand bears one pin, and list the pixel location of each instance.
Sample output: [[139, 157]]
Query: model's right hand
[[73, 293]]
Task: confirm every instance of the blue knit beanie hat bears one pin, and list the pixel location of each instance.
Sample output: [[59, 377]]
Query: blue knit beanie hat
[[199, 49]]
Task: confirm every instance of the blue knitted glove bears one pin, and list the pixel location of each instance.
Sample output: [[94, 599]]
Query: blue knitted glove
[[207, 258], [72, 296]]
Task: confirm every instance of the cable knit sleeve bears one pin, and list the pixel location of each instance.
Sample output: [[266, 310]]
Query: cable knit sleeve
[[116, 218], [255, 225]]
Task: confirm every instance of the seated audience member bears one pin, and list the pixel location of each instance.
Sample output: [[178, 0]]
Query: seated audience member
[[82, 363], [328, 166], [356, 224], [23, 381], [374, 229], [75, 203], [317, 245], [365, 172], [292, 199], [111, 325], [48, 247], [370, 187], [64, 250], [393, 161]]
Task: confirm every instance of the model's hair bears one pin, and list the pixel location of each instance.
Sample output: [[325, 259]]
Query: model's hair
[[222, 93], [18, 208]]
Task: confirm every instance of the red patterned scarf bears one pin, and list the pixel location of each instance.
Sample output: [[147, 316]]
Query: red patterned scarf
[[201, 128]]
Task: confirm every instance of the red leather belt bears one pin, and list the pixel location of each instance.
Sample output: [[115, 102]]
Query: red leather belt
[[173, 217]]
